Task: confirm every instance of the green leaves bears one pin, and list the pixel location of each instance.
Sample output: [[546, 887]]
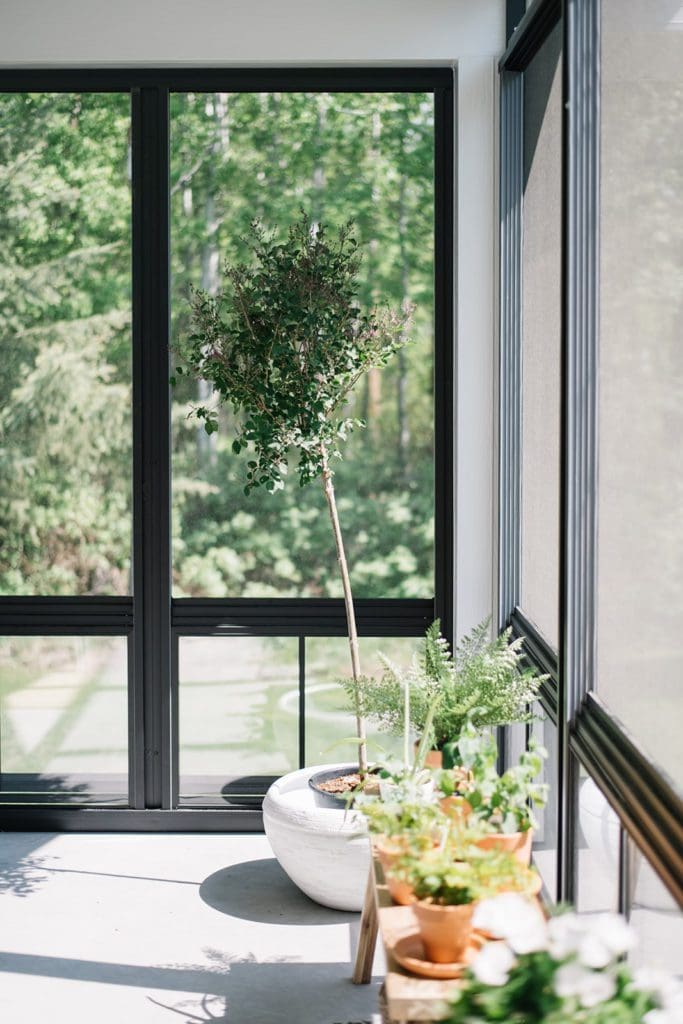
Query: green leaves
[[482, 683], [284, 344]]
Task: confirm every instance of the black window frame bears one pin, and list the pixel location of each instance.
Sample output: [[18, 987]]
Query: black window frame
[[151, 619], [650, 811]]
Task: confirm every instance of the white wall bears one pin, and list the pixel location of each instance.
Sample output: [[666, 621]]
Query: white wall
[[466, 33]]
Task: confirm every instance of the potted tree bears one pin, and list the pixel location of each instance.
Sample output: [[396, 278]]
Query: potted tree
[[283, 344]]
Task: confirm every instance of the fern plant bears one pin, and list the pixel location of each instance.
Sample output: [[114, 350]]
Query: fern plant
[[484, 682]]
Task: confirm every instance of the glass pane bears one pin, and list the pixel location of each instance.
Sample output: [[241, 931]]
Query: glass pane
[[238, 715], [363, 156], [515, 743], [327, 721], [640, 607], [63, 718], [657, 919], [545, 838], [541, 331], [597, 849], [65, 334]]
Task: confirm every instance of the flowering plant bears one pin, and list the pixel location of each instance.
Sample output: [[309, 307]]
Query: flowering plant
[[563, 970]]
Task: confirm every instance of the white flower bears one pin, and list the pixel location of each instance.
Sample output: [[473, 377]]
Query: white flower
[[565, 933], [614, 932], [589, 987], [492, 964], [515, 918], [593, 952], [667, 990], [663, 1017]]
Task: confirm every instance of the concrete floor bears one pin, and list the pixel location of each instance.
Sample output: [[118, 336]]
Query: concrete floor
[[174, 928]]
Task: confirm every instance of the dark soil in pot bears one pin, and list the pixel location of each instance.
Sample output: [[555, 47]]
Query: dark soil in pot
[[333, 785]]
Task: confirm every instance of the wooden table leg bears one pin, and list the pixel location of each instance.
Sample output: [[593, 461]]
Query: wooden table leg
[[367, 938]]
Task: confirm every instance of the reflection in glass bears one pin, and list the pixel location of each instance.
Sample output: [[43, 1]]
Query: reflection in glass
[[597, 849], [640, 569], [63, 717], [363, 156], [327, 720], [541, 330], [237, 714], [545, 838], [65, 335]]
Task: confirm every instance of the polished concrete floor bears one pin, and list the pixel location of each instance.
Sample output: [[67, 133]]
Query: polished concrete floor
[[177, 928]]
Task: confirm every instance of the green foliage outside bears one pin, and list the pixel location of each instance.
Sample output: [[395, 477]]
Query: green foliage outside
[[65, 322]]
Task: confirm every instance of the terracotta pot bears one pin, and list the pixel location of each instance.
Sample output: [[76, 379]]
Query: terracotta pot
[[455, 807], [518, 843], [445, 931], [434, 758], [389, 852]]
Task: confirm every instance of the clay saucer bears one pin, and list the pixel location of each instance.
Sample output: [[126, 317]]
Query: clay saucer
[[410, 954]]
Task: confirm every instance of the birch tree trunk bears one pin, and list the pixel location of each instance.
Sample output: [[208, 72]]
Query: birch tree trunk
[[328, 488]]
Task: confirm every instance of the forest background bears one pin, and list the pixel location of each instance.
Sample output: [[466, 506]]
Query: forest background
[[65, 336]]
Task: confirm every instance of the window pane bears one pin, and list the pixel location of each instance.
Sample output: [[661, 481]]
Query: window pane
[[327, 720], [541, 330], [545, 838], [597, 841], [63, 718], [515, 743], [640, 608], [363, 156], [238, 715], [657, 919], [65, 313]]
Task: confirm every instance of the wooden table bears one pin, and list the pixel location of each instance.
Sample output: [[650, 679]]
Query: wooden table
[[406, 997]]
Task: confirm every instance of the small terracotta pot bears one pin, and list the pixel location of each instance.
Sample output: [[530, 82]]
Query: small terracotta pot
[[518, 843], [388, 853], [445, 931], [455, 807], [434, 758]]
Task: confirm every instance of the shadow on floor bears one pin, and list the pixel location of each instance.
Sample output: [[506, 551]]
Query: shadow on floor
[[259, 890], [21, 871], [234, 990]]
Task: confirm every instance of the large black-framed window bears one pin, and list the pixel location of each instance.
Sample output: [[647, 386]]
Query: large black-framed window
[[615, 804], [151, 625]]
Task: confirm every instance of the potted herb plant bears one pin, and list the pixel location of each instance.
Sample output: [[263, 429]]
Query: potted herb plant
[[502, 804], [401, 827], [448, 888], [283, 344], [484, 683]]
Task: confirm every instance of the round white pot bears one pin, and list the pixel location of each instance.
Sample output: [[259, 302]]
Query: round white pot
[[319, 847]]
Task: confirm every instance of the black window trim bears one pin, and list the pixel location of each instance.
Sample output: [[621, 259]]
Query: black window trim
[[159, 619]]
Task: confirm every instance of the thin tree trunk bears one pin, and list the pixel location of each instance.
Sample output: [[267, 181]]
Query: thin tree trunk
[[328, 488]]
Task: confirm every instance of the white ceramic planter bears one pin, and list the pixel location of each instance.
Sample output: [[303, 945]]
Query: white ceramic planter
[[319, 847]]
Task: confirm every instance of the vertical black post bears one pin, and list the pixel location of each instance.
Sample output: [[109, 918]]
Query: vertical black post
[[444, 189], [579, 395], [510, 367], [151, 426], [510, 359]]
